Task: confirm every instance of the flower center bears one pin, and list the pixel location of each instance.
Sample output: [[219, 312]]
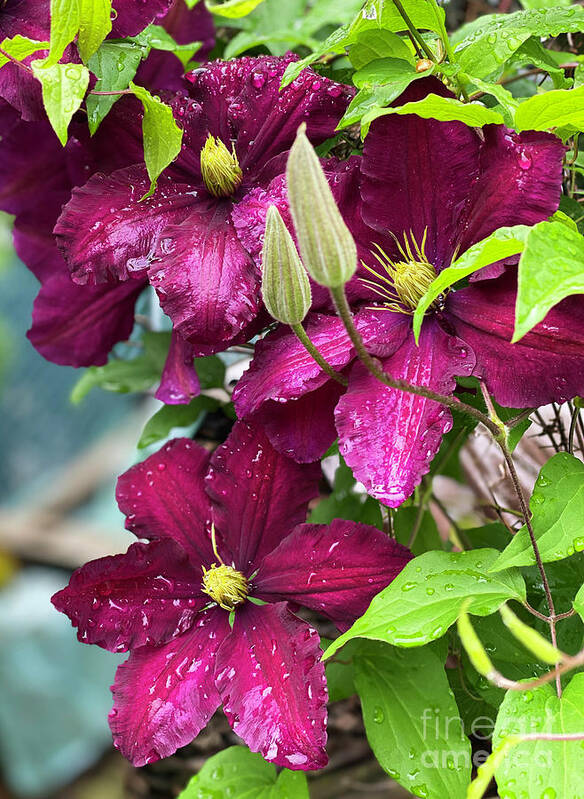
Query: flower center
[[225, 585], [220, 168], [402, 284]]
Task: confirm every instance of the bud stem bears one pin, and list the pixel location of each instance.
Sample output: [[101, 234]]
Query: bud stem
[[302, 336]]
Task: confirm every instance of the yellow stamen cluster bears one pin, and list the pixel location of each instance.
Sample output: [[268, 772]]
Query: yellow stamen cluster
[[220, 168], [405, 282], [225, 585]]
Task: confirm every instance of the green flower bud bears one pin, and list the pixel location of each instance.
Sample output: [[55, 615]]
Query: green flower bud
[[285, 284], [530, 638], [326, 245], [471, 642]]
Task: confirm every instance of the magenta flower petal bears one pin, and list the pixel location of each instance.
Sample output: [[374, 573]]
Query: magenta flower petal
[[272, 685], [546, 365], [102, 234], [519, 183], [164, 696], [389, 437], [179, 382], [417, 174], [304, 428], [164, 497], [206, 281], [147, 596], [344, 565], [132, 17], [78, 325], [258, 495]]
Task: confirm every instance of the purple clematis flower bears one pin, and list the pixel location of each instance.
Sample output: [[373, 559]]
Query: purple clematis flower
[[220, 530], [195, 239], [428, 190]]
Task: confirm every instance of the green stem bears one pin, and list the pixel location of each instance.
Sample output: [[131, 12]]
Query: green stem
[[414, 31], [302, 336]]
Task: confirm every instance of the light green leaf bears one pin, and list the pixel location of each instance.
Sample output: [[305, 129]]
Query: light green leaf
[[335, 43], [65, 15], [94, 25], [579, 603], [532, 52], [503, 243], [486, 771], [170, 417], [233, 9], [426, 597], [444, 109], [64, 87], [237, 773], [544, 3], [373, 44], [551, 268], [424, 14], [155, 37], [558, 108], [162, 136], [421, 747], [493, 39], [548, 769], [507, 103], [20, 47], [557, 507], [115, 65]]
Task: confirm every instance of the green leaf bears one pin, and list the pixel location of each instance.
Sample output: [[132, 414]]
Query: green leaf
[[557, 508], [411, 719], [123, 377], [493, 39], [94, 25], [503, 243], [170, 417], [20, 47], [155, 37], [64, 87], [559, 108], [346, 503], [65, 16], [542, 768], [551, 268], [426, 597], [579, 603], [507, 104], [427, 538], [115, 65], [237, 773], [373, 44], [233, 9], [532, 52], [162, 136], [340, 674], [442, 108]]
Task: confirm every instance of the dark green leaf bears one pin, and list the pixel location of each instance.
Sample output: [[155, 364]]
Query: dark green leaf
[[427, 538], [115, 65], [170, 417]]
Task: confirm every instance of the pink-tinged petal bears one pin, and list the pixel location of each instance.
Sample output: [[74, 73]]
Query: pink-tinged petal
[[164, 497], [520, 182], [258, 495], [147, 596], [272, 684], [249, 214], [416, 175], [179, 382], [106, 234], [35, 244], [132, 17], [389, 437], [546, 365], [164, 696], [206, 281], [334, 569], [78, 325], [304, 428]]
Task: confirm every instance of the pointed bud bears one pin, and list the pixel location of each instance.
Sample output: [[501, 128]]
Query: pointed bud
[[471, 642], [530, 638], [327, 247], [285, 284]]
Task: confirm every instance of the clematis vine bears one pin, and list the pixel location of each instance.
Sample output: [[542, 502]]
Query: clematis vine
[[197, 239], [206, 604], [428, 191]]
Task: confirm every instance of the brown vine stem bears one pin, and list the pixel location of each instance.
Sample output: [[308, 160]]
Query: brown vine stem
[[15, 60], [512, 685]]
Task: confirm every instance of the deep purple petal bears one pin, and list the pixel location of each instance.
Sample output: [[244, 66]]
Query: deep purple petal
[[78, 325], [416, 175], [520, 182], [179, 382], [105, 233], [334, 569], [258, 495], [132, 17], [388, 437], [206, 281], [147, 596], [546, 365], [304, 428], [164, 696], [272, 685], [164, 497]]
